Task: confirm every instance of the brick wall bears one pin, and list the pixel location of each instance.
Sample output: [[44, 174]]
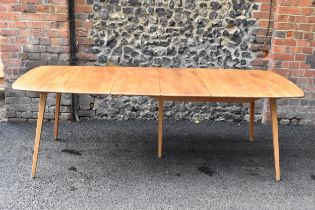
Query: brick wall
[[36, 32], [263, 34], [293, 56], [83, 31], [32, 33]]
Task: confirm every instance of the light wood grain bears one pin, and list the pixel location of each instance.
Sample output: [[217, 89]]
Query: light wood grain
[[57, 111], [207, 99], [136, 81], [181, 82], [68, 79], [175, 82], [41, 111], [248, 84], [275, 135], [1, 84], [160, 130]]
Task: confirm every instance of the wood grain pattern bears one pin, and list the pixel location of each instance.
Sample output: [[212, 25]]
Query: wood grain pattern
[[208, 99], [57, 112], [68, 79], [248, 84], [136, 81], [160, 129], [41, 111], [181, 82], [275, 136], [168, 82]]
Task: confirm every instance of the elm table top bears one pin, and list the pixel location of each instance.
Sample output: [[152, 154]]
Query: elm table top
[[158, 81]]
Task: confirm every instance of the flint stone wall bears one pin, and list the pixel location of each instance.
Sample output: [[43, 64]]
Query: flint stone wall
[[170, 33]]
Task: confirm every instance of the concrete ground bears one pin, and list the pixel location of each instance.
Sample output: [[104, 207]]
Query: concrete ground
[[113, 165]]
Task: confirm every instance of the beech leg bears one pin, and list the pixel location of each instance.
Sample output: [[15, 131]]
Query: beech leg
[[57, 111], [274, 120], [160, 129], [41, 111]]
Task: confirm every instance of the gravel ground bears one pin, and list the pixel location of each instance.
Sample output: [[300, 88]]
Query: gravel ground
[[113, 165]]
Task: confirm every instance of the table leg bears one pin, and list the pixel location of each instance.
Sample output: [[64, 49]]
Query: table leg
[[41, 111], [161, 107], [57, 111], [251, 120], [274, 120]]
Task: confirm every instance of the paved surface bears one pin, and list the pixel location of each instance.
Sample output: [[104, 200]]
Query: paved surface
[[113, 165]]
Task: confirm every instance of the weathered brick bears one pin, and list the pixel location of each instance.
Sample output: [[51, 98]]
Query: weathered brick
[[61, 9], [31, 8], [290, 10], [33, 16], [44, 41], [19, 107], [86, 113], [261, 15], [85, 41], [58, 33], [10, 48], [32, 95], [56, 17], [34, 48], [43, 8], [40, 25], [49, 116], [60, 41], [281, 56], [65, 116], [290, 42], [30, 1], [33, 40], [58, 49], [85, 107], [20, 41], [259, 62], [9, 16], [34, 56], [5, 8], [86, 99], [58, 2], [10, 100], [10, 114], [26, 114], [19, 8], [64, 57], [83, 9], [65, 109]]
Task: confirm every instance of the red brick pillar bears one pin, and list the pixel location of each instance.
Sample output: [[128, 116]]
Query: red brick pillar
[[83, 29], [293, 56], [32, 33]]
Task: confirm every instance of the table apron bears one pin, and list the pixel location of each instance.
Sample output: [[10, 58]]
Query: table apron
[[206, 99]]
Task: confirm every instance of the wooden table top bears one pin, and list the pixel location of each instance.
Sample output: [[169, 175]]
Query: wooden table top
[[153, 81]]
